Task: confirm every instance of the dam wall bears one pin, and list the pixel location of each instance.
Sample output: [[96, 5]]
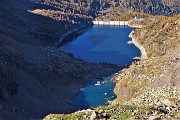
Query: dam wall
[[115, 23]]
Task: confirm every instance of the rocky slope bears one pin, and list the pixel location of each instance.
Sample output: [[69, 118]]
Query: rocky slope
[[36, 78], [155, 79], [115, 9], [149, 88]]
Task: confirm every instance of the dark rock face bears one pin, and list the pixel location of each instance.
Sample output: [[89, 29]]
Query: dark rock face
[[8, 86]]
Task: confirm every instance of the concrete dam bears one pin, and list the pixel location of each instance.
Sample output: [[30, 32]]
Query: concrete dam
[[115, 23]]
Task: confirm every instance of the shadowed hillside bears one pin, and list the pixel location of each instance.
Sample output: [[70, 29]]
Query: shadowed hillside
[[36, 78]]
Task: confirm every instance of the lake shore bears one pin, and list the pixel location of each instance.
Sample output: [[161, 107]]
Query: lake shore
[[61, 39], [141, 48]]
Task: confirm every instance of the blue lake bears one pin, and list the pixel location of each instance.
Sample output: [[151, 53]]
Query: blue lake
[[100, 44], [95, 95]]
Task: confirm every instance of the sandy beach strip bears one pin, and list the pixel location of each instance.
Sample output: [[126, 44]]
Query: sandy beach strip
[[141, 48]]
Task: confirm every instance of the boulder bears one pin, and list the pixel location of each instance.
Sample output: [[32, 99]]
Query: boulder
[[93, 115], [167, 102], [154, 118], [163, 110]]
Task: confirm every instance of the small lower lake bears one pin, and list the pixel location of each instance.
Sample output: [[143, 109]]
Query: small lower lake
[[94, 94], [100, 44]]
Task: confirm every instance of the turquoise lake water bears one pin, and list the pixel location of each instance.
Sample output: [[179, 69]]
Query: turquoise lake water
[[100, 44]]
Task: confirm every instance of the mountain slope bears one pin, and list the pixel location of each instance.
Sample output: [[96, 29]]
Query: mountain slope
[[112, 9], [36, 78]]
